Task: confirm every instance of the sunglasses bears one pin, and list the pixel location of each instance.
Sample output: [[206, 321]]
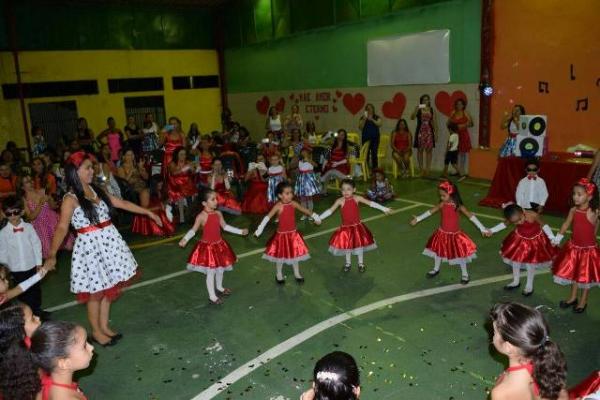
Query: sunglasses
[[12, 213]]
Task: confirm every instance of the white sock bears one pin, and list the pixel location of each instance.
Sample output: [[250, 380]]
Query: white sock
[[360, 255], [463, 270], [530, 276], [210, 284], [437, 262], [348, 258], [279, 267], [219, 280], [516, 276], [296, 268]]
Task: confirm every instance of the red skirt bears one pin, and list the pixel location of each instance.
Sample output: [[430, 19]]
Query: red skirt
[[255, 199], [286, 247], [523, 252], [211, 255], [579, 265], [226, 202], [144, 225], [180, 187], [451, 247], [351, 239], [111, 294]]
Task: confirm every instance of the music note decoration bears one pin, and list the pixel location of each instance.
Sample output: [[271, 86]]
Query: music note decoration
[[543, 87], [572, 71], [582, 104]]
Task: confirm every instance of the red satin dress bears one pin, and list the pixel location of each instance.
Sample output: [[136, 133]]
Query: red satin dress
[[144, 225], [205, 163], [226, 201], [589, 385], [529, 367], [255, 199], [352, 237], [401, 141], [448, 242], [528, 246], [338, 155], [181, 185], [464, 138], [170, 146], [47, 384], [579, 259], [211, 252], [287, 244]]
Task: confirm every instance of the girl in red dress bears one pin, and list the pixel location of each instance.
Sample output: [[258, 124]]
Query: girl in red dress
[[401, 146], [449, 243], [205, 160], [219, 182], [537, 368], [255, 199], [287, 245], [527, 247], [180, 183], [212, 255], [578, 263], [352, 237], [154, 200]]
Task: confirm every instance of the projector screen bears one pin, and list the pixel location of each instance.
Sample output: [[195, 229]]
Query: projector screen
[[421, 58]]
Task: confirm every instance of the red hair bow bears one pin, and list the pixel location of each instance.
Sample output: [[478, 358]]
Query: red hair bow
[[78, 157], [447, 187], [589, 186]]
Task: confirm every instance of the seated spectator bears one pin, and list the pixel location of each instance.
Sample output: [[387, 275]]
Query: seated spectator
[[42, 177], [133, 172], [8, 181]]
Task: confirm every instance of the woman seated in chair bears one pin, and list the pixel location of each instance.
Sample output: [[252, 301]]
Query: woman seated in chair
[[337, 166]]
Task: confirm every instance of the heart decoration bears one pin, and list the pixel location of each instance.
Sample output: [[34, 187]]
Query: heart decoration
[[338, 93], [394, 109], [354, 103], [444, 102], [262, 105], [280, 105]]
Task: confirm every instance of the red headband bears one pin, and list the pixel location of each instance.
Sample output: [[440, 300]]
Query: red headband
[[447, 186], [588, 185], [78, 157]]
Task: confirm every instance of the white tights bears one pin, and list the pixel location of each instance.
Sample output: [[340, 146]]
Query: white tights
[[463, 267], [295, 266], [214, 278], [359, 255]]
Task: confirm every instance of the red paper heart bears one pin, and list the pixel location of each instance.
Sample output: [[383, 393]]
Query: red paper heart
[[262, 105], [280, 106], [338, 93], [394, 109], [354, 103], [444, 102]]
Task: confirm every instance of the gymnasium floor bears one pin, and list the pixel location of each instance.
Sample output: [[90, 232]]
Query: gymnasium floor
[[414, 338]]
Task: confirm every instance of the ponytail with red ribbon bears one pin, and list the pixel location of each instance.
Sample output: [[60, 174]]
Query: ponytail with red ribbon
[[589, 186]]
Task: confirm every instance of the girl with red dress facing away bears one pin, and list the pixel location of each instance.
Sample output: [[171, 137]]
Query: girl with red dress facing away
[[155, 199], [352, 237], [255, 199], [578, 263], [286, 246], [449, 243], [219, 182], [212, 255], [527, 247], [180, 181]]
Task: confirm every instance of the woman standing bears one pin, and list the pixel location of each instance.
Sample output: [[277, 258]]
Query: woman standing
[[369, 124], [274, 123], [463, 121], [101, 262], [294, 120], [113, 137], [511, 123], [425, 133]]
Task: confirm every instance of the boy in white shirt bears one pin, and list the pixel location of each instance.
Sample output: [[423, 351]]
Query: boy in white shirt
[[532, 188], [21, 252], [452, 153]]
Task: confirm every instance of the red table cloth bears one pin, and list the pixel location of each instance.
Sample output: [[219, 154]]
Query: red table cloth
[[558, 173]]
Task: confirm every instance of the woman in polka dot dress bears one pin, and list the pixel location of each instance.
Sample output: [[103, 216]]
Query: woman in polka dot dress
[[101, 263]]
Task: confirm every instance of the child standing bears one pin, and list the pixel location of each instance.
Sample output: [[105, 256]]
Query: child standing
[[352, 237], [532, 188], [276, 175], [536, 367], [255, 199], [212, 255], [219, 182], [286, 246], [449, 243], [452, 152], [578, 263], [307, 183], [21, 251], [527, 247], [381, 190]]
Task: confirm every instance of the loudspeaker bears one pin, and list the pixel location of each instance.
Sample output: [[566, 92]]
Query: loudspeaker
[[532, 136]]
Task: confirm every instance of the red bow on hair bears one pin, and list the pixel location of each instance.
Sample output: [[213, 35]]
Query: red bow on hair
[[589, 186], [447, 187], [530, 177], [78, 157], [15, 230]]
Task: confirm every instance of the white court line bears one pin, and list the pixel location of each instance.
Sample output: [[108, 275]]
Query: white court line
[[283, 347], [243, 255]]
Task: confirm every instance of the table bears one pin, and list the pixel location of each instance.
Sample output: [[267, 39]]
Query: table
[[559, 170]]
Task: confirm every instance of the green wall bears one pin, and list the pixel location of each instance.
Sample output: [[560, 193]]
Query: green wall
[[72, 26], [336, 56]]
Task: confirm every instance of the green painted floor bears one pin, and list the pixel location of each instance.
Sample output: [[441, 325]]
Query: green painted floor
[[437, 347]]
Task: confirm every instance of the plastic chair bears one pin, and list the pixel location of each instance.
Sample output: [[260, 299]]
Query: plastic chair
[[411, 168], [353, 137], [361, 160], [382, 150]]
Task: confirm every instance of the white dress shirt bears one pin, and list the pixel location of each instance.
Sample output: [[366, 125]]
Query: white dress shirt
[[531, 191], [20, 247]]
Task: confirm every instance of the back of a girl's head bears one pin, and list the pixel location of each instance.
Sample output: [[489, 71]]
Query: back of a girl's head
[[526, 329], [12, 324], [50, 342], [511, 210], [336, 377]]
